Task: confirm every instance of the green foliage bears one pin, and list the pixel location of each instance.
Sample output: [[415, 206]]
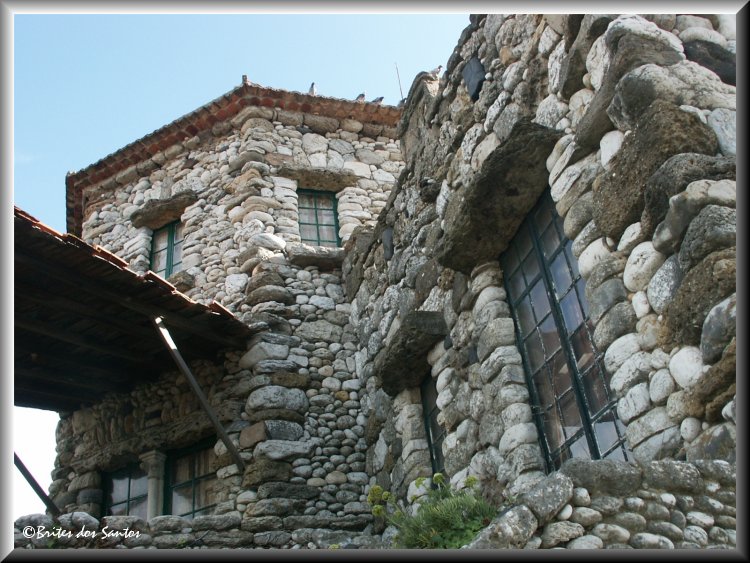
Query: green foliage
[[445, 519]]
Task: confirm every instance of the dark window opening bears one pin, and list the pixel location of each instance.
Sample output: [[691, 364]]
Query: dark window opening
[[126, 492], [573, 407], [318, 221], [190, 482], [166, 250], [434, 431]]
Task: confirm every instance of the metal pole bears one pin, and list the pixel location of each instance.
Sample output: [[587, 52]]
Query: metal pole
[[172, 347], [51, 506]]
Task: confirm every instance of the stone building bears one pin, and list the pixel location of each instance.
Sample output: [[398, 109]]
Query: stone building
[[526, 275]]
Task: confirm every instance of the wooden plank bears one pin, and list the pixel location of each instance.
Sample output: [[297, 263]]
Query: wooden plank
[[174, 319], [75, 339], [51, 506]]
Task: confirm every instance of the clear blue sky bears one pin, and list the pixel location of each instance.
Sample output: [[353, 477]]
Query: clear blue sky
[[85, 86]]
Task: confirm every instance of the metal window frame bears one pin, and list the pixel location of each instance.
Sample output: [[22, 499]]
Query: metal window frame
[[554, 457], [169, 486], [171, 230], [429, 416], [316, 195], [129, 498]]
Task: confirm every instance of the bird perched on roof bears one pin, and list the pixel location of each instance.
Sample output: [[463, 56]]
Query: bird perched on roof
[[360, 98], [313, 90], [244, 79], [435, 72], [378, 100]]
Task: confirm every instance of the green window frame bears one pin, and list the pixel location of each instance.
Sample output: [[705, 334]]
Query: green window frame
[[166, 249], [434, 431], [574, 409], [126, 492], [189, 478], [318, 218]]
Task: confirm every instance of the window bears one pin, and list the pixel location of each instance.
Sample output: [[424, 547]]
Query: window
[[190, 479], [435, 432], [574, 411], [126, 492], [166, 249], [318, 224]]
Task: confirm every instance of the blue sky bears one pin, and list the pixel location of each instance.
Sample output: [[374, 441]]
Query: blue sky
[[86, 85]]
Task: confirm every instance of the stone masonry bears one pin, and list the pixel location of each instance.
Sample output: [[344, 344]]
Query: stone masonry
[[628, 121]]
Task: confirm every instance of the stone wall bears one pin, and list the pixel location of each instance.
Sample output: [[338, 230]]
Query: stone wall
[[615, 505], [620, 118], [289, 401]]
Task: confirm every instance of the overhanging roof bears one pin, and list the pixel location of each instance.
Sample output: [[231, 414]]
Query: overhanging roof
[[83, 321]]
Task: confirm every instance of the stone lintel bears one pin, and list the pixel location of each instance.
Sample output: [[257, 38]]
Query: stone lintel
[[403, 363], [157, 213], [482, 218]]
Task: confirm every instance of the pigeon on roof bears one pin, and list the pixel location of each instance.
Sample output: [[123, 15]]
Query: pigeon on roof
[[313, 90], [244, 79], [360, 98], [378, 100], [435, 72]]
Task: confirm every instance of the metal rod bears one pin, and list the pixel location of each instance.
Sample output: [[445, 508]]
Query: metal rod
[[185, 369], [51, 506], [399, 81]]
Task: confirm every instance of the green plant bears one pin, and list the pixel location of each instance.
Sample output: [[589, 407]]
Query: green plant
[[446, 518]]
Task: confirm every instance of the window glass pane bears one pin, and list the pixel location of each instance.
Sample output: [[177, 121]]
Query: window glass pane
[[581, 289], [544, 390], [309, 233], [182, 500], [516, 285], [550, 337], [181, 470], [119, 488], [161, 238], [606, 435], [177, 254], [138, 483], [550, 241], [159, 262], [325, 217], [179, 232], [525, 317], [571, 414], [531, 268], [580, 448], [203, 462], [552, 429], [324, 201], [305, 200], [571, 311], [561, 373], [560, 274], [583, 349], [571, 259], [539, 300], [596, 394], [307, 216], [204, 493], [534, 351], [523, 242], [510, 261], [542, 216], [327, 233]]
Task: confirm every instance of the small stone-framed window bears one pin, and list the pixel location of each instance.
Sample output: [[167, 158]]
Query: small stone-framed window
[[126, 492], [434, 431], [574, 409], [190, 481], [318, 220], [166, 249]]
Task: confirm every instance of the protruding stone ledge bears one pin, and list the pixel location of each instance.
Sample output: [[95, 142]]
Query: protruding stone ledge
[[325, 258], [403, 363], [481, 220], [157, 213]]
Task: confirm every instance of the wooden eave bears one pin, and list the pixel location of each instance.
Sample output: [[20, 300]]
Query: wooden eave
[[83, 321]]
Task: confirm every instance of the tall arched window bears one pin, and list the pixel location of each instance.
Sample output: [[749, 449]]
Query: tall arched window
[[574, 409]]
